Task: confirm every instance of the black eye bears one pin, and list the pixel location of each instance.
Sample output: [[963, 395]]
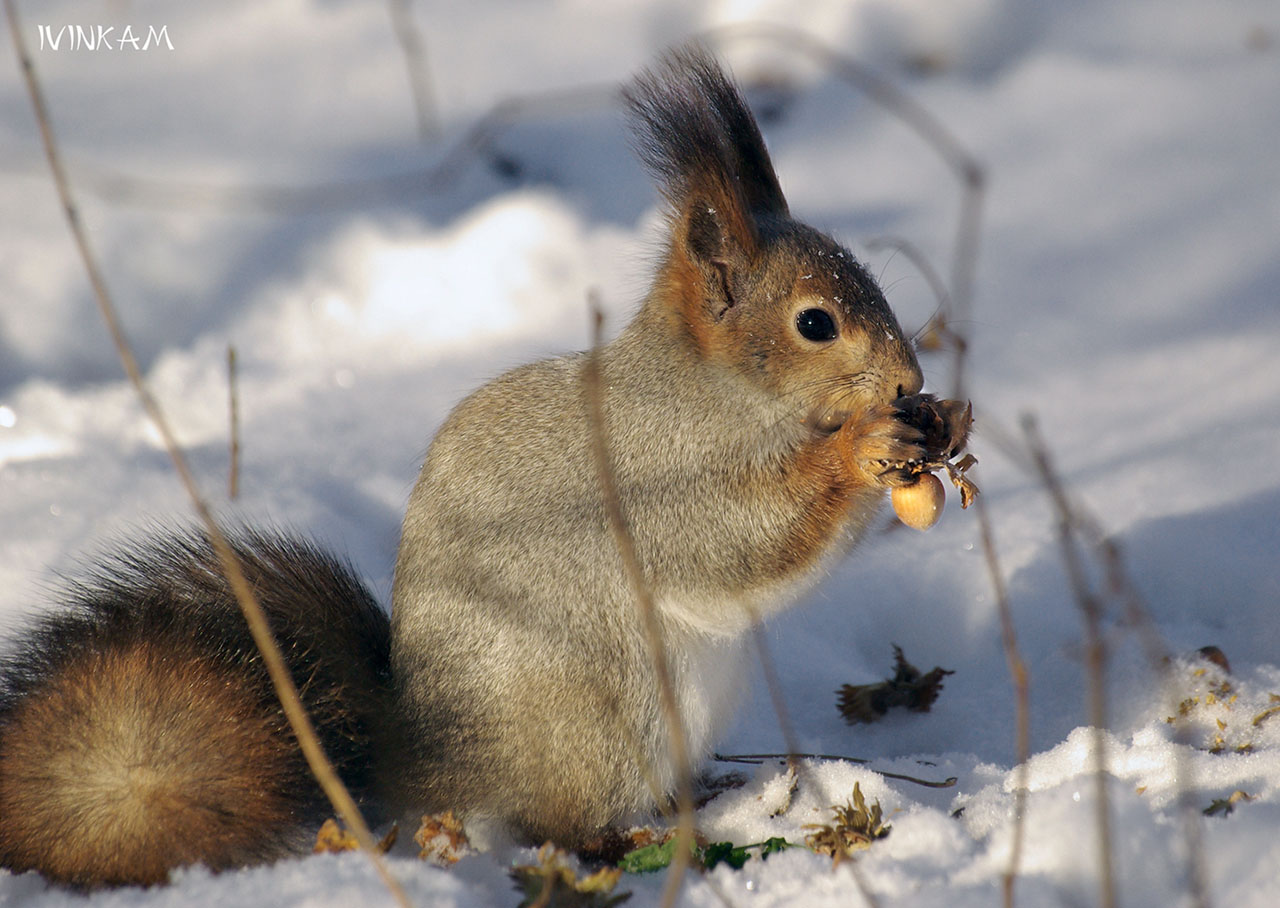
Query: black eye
[[816, 325]]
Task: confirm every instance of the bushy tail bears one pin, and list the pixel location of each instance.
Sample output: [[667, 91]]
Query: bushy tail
[[138, 728]]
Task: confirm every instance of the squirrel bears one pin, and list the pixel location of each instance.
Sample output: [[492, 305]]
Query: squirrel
[[749, 410]]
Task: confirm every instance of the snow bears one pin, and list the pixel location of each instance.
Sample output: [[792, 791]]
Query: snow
[[1128, 294]]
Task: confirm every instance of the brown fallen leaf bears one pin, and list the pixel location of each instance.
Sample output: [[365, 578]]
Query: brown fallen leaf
[[853, 827], [441, 839], [1222, 807], [333, 839], [909, 688], [551, 883]]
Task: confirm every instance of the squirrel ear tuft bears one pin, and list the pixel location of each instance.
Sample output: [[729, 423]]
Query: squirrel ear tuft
[[697, 136]]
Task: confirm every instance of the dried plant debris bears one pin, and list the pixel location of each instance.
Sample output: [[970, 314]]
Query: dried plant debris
[[853, 827], [333, 839], [552, 883], [956, 473], [1269, 712], [1222, 807], [1212, 712], [908, 687], [441, 839]]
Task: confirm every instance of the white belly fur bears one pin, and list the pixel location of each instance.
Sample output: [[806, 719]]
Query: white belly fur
[[708, 672]]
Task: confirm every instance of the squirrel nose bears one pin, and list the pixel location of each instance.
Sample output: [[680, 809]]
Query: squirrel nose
[[910, 380]]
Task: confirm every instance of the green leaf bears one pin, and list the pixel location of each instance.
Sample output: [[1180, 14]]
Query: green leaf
[[649, 859], [724, 852], [773, 846]]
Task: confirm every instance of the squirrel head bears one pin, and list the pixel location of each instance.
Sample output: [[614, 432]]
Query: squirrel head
[[750, 287]]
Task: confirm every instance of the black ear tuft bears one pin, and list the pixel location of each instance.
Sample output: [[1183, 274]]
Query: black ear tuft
[[695, 133]]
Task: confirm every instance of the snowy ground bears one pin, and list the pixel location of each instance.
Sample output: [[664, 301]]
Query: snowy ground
[[1128, 293]]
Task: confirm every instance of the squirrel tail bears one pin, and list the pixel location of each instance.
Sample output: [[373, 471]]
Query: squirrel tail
[[139, 730]]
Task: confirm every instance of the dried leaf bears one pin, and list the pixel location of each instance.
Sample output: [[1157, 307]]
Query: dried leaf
[[908, 688], [1266, 713], [1222, 807], [551, 883], [333, 839], [967, 488], [854, 827], [441, 839]]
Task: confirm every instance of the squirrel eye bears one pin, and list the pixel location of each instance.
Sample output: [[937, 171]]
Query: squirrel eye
[[816, 325]]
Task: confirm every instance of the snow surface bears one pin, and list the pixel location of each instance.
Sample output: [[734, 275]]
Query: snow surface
[[1128, 293]]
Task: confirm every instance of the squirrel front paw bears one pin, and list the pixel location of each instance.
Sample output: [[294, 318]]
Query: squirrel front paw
[[879, 446]]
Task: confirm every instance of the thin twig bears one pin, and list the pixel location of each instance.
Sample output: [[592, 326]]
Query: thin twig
[[233, 394], [1021, 698], [276, 199], [415, 60], [129, 189], [1160, 657], [1120, 586], [964, 263], [944, 324], [789, 757], [272, 658], [1161, 660], [794, 764], [775, 693], [594, 392], [1091, 610]]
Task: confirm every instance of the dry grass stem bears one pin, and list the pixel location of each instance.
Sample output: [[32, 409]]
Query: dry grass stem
[[233, 408], [1091, 611], [794, 764], [771, 681], [287, 692], [414, 49], [476, 144], [1161, 659], [594, 392], [1119, 586], [1022, 699], [757, 759]]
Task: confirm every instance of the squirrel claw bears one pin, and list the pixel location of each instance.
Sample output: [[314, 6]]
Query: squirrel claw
[[881, 447]]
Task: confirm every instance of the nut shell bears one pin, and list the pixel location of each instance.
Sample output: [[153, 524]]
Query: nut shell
[[919, 505]]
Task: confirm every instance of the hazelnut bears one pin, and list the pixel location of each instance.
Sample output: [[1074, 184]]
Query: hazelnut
[[919, 505]]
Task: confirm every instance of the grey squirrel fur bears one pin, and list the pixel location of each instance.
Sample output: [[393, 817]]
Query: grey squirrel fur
[[513, 683]]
